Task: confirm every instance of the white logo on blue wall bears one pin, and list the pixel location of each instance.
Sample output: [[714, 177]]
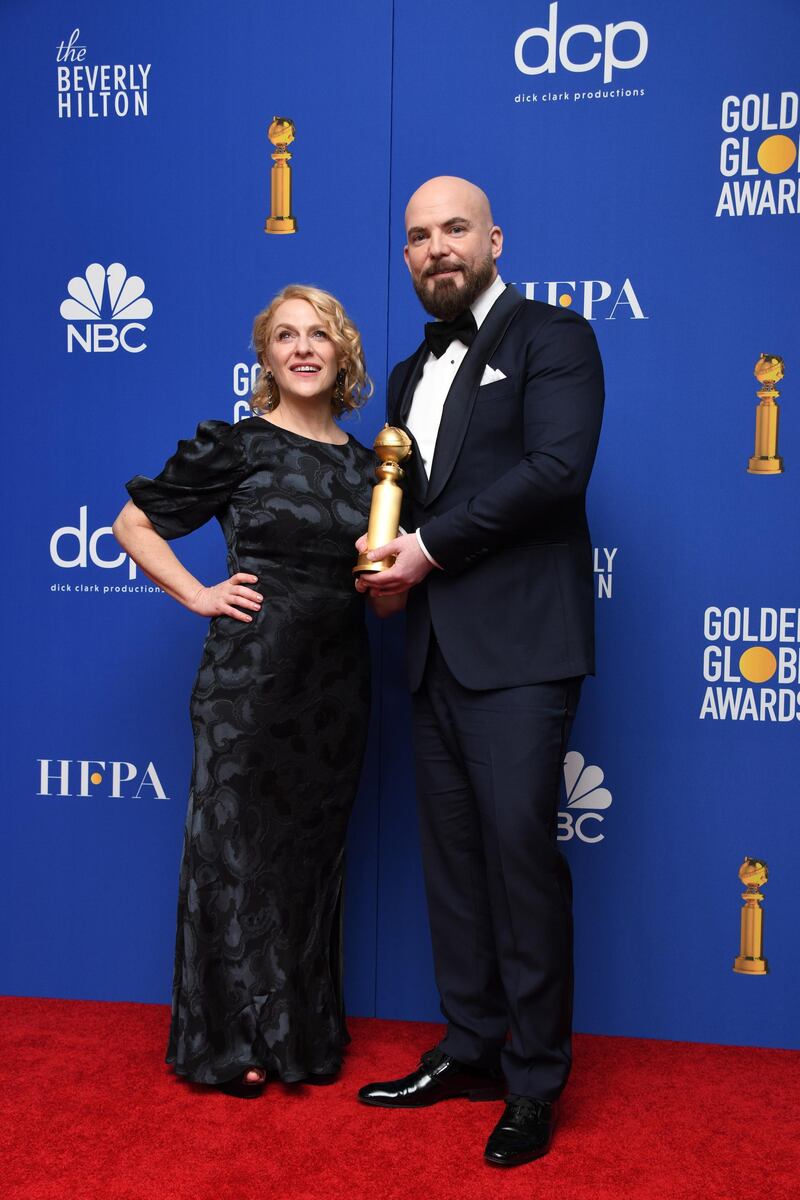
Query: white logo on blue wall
[[595, 299], [762, 133], [244, 380], [108, 90], [98, 779], [80, 548], [751, 665], [105, 310], [586, 801], [75, 546], [603, 568], [581, 48]]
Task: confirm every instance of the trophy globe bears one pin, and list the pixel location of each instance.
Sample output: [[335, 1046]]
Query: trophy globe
[[392, 444], [281, 132], [753, 873], [769, 369]]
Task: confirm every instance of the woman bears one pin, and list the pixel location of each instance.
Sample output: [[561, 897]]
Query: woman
[[280, 705]]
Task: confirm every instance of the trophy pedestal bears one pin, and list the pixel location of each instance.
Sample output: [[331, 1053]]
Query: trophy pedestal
[[750, 966], [280, 225], [365, 567], [766, 465]]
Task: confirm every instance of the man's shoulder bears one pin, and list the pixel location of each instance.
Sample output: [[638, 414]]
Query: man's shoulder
[[540, 328], [533, 315]]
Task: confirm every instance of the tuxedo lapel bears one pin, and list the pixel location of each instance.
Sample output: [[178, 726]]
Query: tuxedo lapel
[[417, 480], [461, 397], [413, 376]]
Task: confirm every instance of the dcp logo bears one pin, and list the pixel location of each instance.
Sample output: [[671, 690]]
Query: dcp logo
[[126, 305], [585, 800], [525, 54], [74, 546], [89, 777]]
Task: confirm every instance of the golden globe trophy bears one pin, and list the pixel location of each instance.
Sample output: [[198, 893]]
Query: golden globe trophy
[[750, 960], [280, 220], [392, 446], [766, 460]]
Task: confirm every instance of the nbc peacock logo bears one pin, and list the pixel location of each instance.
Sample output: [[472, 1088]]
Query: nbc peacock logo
[[105, 309], [586, 800]]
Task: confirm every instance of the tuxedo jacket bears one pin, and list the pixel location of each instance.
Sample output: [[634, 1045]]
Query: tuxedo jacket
[[503, 511]]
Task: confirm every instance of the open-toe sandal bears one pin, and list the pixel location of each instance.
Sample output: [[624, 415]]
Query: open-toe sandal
[[239, 1087]]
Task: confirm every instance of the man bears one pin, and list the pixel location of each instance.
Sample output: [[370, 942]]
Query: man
[[503, 401]]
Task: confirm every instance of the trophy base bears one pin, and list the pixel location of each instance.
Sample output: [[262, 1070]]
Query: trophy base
[[365, 567], [765, 466], [750, 966], [280, 225]]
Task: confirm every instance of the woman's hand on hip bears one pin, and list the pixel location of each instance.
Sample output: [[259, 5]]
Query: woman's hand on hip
[[228, 599]]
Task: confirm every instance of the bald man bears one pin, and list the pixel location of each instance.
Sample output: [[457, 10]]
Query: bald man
[[503, 401]]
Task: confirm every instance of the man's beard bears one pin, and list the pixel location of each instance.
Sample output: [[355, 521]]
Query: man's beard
[[447, 300]]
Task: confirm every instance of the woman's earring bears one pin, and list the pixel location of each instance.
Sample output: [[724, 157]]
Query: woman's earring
[[272, 398], [338, 391]]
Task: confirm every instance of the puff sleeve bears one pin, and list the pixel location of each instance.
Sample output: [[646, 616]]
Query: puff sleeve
[[196, 482]]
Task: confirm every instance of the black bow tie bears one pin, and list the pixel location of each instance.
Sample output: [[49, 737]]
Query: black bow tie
[[439, 334]]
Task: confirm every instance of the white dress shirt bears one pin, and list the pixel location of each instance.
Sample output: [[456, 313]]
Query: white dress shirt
[[427, 404]]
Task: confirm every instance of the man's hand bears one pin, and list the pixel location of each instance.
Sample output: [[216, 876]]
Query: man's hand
[[410, 567]]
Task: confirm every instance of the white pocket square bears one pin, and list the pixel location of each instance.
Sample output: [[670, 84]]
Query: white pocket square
[[490, 375]]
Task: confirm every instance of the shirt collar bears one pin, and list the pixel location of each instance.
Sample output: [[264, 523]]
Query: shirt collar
[[481, 306]]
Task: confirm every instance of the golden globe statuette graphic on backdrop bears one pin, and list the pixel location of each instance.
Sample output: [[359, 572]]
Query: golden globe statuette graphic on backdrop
[[769, 370], [280, 220], [750, 960], [392, 447]]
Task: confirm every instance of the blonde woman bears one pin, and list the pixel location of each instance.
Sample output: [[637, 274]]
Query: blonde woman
[[280, 705]]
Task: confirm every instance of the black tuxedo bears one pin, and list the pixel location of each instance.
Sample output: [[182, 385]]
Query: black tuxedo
[[503, 512], [498, 642]]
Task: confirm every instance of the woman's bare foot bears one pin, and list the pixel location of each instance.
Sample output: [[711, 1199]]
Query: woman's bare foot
[[254, 1075]]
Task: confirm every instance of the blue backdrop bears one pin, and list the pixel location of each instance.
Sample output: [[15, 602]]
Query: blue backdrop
[[642, 161]]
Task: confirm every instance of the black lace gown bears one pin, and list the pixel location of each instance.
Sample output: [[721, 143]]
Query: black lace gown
[[279, 712]]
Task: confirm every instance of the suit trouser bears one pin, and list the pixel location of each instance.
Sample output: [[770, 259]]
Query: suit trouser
[[499, 891]]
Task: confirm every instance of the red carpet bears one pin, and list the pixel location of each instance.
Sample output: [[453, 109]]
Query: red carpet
[[90, 1113]]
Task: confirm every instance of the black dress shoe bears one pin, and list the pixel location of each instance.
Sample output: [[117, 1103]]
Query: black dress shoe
[[438, 1077], [524, 1132]]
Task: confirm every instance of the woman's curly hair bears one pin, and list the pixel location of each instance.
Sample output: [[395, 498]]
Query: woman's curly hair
[[356, 387]]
